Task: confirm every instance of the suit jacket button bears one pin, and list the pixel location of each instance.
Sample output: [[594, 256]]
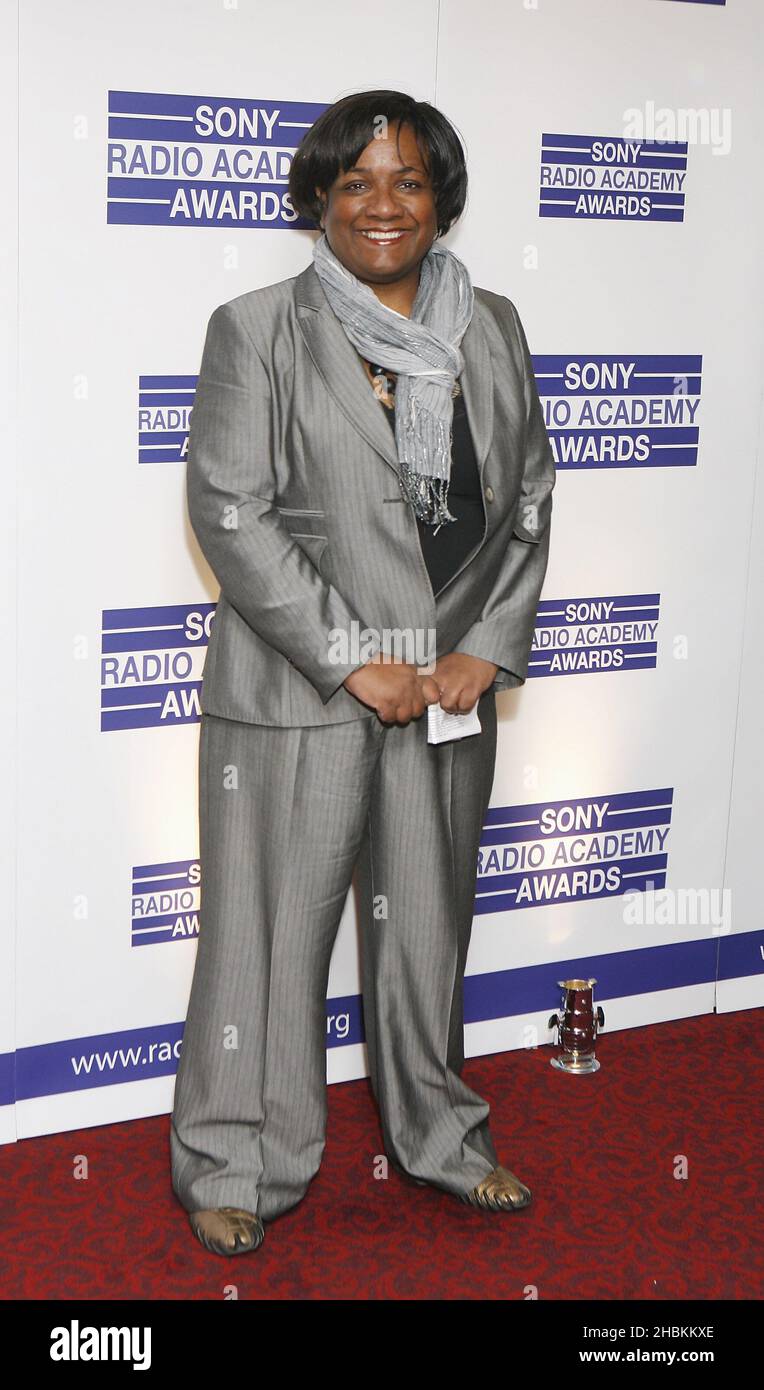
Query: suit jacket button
[[489, 494]]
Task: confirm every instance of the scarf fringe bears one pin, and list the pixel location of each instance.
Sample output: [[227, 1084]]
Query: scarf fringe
[[425, 443], [425, 464], [427, 496]]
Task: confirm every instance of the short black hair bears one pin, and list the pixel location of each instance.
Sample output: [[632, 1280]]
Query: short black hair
[[339, 135]]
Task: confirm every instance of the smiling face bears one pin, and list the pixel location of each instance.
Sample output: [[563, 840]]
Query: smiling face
[[380, 217]]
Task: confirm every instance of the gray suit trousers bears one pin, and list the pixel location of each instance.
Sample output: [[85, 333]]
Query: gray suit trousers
[[286, 817]]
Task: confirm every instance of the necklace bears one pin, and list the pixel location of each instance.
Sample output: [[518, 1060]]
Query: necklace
[[383, 383]]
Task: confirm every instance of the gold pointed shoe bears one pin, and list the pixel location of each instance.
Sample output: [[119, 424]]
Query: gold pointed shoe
[[499, 1191], [227, 1230]]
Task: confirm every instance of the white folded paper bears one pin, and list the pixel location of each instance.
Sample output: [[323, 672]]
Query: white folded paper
[[441, 727]]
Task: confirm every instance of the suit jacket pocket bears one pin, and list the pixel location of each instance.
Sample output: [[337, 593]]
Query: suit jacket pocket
[[306, 526], [289, 512]]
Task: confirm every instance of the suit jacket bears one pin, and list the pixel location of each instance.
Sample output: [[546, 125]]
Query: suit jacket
[[292, 488]]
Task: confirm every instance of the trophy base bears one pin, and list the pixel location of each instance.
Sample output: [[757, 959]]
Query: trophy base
[[579, 1066]]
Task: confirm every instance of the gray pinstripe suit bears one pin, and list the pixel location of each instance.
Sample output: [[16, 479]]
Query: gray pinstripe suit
[[293, 496]]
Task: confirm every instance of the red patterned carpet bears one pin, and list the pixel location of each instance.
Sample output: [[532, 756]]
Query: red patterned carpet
[[609, 1219]]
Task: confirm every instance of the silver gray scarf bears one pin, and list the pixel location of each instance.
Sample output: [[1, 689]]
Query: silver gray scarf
[[424, 352]]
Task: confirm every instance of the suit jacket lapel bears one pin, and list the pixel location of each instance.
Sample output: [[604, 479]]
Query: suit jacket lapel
[[340, 368]]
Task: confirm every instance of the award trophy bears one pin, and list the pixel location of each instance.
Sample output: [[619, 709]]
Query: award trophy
[[577, 1025]]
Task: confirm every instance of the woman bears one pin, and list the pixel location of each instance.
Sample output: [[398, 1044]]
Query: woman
[[346, 424]]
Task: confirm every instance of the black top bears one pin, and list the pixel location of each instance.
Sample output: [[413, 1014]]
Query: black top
[[445, 552]]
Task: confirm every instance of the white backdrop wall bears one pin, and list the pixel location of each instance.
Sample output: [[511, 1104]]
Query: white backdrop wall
[[8, 360], [614, 779]]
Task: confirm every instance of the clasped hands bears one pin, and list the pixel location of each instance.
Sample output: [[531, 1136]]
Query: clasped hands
[[398, 693]]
